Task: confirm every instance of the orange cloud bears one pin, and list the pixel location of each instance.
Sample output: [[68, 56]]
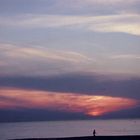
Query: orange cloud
[[71, 102]]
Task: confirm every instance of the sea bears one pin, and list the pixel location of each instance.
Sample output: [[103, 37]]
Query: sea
[[53, 129]]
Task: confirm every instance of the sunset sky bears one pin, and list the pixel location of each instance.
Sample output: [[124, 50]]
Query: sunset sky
[[69, 59]]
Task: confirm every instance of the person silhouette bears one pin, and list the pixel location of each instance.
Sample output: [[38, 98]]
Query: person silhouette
[[94, 132]]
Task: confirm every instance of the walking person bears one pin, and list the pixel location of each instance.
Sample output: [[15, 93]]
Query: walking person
[[94, 132]]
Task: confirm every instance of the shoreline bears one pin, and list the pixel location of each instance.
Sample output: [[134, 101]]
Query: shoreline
[[127, 137]]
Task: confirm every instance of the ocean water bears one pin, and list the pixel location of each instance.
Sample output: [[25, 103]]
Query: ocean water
[[68, 128]]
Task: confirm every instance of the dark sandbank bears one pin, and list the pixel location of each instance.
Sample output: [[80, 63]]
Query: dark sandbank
[[89, 138]]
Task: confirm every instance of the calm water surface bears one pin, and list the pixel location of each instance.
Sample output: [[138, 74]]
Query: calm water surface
[[68, 128]]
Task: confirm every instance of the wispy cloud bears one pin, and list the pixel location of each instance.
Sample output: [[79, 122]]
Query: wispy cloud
[[129, 23], [43, 53], [28, 60], [39, 60], [92, 7], [105, 2], [95, 7], [69, 102], [126, 56]]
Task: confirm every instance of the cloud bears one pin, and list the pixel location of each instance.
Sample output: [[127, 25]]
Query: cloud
[[69, 102], [126, 56], [125, 23], [33, 60], [42, 52], [75, 96], [94, 7], [79, 7], [103, 2], [27, 60], [79, 83]]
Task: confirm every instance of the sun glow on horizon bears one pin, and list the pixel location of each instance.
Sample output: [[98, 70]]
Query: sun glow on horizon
[[69, 102]]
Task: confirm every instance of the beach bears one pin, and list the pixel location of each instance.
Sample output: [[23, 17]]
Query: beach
[[131, 137]]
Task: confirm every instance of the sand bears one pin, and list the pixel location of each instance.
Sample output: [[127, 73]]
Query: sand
[[134, 137]]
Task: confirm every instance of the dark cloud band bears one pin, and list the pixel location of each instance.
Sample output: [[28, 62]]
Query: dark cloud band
[[77, 83]]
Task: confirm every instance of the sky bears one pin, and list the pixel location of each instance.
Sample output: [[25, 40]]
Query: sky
[[69, 59]]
